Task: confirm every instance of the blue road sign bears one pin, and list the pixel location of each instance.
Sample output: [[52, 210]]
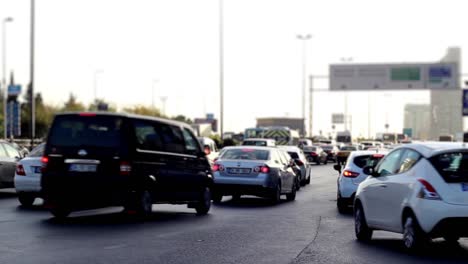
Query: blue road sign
[[465, 102], [14, 90], [13, 119]]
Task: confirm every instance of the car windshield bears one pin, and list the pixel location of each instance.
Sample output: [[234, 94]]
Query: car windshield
[[245, 154]]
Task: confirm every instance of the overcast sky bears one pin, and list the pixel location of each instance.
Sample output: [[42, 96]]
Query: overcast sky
[[171, 48]]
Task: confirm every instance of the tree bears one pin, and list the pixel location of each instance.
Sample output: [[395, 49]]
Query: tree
[[183, 118], [94, 106], [143, 110], [44, 116], [72, 105]]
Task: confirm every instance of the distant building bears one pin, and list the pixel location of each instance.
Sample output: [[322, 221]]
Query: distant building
[[292, 123], [418, 118], [209, 119]]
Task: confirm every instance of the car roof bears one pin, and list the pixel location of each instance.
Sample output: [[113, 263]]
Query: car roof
[[250, 147], [357, 153], [430, 149], [289, 148]]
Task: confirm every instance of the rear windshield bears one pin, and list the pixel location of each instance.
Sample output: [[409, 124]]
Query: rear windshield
[[327, 147], [75, 130], [245, 154], [367, 160], [293, 155], [348, 148], [309, 149], [254, 143], [453, 167]]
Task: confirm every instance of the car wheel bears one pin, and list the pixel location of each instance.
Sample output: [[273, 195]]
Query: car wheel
[[204, 204], [292, 195], [216, 197], [276, 194], [144, 203], [413, 236], [298, 183], [26, 199], [451, 239], [341, 204], [60, 212], [308, 180], [362, 230]]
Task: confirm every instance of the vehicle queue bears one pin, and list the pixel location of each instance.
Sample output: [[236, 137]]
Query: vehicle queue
[[419, 190]]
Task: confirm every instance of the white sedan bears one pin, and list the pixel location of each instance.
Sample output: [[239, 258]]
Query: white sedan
[[419, 190], [28, 176]]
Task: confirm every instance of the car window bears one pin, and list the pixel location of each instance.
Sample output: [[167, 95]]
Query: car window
[[245, 154], [172, 138], [409, 158], [453, 166], [191, 144], [391, 164], [37, 151], [367, 160], [293, 155], [11, 151], [146, 136]]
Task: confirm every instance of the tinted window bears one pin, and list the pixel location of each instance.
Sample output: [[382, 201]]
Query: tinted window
[[453, 167], [245, 154], [348, 148], [191, 143], [410, 157], [254, 143], [75, 131], [391, 163], [293, 155], [367, 160], [146, 136], [172, 138]]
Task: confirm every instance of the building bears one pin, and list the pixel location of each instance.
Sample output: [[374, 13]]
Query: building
[[292, 123], [417, 118]]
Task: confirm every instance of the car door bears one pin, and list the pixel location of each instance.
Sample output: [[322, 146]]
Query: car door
[[399, 187], [377, 194], [196, 162], [9, 164], [288, 173]]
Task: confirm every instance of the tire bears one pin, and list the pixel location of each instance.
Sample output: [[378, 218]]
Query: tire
[[307, 181], [341, 205], [276, 194], [26, 199], [361, 229], [298, 183], [292, 195], [413, 236], [204, 204], [216, 198], [60, 212], [144, 204]]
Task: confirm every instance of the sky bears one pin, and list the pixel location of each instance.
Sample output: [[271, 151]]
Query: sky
[[138, 51]]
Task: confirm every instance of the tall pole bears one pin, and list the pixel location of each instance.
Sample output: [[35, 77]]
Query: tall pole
[[311, 103], [304, 39], [221, 69], [4, 85], [31, 72]]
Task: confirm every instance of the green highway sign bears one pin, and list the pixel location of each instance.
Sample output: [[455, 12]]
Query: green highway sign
[[405, 74]]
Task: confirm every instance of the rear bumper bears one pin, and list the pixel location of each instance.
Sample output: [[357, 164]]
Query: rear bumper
[[456, 226], [27, 184], [260, 185], [231, 189]]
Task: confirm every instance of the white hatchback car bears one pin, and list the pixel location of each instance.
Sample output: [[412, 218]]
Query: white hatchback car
[[419, 190], [28, 176], [351, 175]]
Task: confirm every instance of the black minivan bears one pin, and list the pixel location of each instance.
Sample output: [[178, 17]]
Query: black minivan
[[99, 159]]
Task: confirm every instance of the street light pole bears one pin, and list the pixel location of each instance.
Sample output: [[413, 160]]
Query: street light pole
[[304, 39], [4, 85], [31, 72], [221, 69]]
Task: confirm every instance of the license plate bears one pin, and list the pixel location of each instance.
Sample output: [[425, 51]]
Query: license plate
[[464, 187], [36, 169], [83, 167], [238, 170]]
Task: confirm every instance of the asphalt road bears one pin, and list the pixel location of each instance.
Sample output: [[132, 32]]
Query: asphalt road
[[308, 230]]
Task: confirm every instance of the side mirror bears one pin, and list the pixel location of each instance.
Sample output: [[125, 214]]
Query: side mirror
[[337, 167], [369, 171], [207, 150]]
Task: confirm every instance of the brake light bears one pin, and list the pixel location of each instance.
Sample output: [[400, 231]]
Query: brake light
[[20, 170], [87, 114], [377, 156], [218, 167], [45, 160], [350, 174], [262, 169], [313, 154], [125, 168], [428, 191]]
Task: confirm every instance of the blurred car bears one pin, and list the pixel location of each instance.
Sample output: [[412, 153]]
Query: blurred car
[[28, 176], [9, 157], [304, 142], [331, 151], [351, 175], [315, 154], [300, 159], [265, 142], [210, 149], [252, 170], [419, 190], [22, 150], [344, 152]]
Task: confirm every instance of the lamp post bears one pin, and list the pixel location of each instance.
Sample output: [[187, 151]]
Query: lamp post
[[4, 85], [304, 39], [221, 69], [346, 117]]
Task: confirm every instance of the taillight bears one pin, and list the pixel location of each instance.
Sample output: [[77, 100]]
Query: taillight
[[125, 168], [20, 170], [262, 169], [350, 174], [428, 191], [313, 154], [218, 167], [44, 161]]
